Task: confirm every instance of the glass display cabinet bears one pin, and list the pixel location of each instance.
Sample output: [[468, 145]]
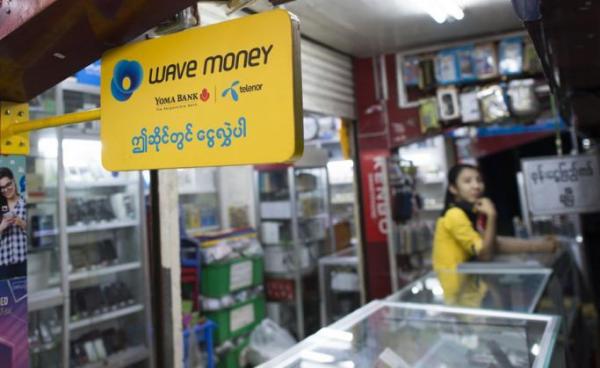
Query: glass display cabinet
[[339, 285], [515, 290], [87, 270], [295, 230], [199, 200], [46, 290], [383, 334]]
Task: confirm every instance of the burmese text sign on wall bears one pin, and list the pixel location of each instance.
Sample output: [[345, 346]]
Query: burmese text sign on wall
[[226, 94], [562, 184]]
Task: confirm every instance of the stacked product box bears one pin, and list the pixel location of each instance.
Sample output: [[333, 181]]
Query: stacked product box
[[231, 291]]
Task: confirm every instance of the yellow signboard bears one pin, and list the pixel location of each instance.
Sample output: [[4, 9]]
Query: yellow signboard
[[227, 94]]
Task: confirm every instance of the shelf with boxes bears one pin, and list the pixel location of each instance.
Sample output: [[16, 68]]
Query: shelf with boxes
[[86, 227], [493, 80], [45, 328], [199, 200], [231, 289], [295, 229]]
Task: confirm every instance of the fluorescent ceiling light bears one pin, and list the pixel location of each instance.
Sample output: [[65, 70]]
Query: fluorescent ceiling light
[[441, 10]]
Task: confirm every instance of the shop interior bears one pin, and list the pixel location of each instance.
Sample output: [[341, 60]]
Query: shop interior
[[327, 261]]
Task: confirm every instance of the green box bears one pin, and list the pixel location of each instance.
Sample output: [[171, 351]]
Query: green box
[[232, 358], [220, 279], [237, 320]]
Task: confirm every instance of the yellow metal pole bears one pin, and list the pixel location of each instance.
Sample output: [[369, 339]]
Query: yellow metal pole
[[54, 121]]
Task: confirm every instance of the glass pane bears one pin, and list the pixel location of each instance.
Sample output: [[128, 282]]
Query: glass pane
[[312, 199], [43, 259], [42, 212], [517, 292], [45, 332], [107, 298], [198, 200], [424, 337]]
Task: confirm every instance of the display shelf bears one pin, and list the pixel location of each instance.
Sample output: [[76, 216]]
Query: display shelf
[[313, 240], [43, 249], [196, 191], [340, 202], [77, 151], [431, 209], [289, 275], [44, 233], [112, 225], [43, 348], [202, 230], [74, 86], [44, 299], [122, 359], [31, 200], [91, 321], [101, 184], [110, 270], [290, 207]]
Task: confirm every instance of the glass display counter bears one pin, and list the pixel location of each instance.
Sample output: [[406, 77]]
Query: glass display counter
[[387, 334], [515, 290], [564, 287]]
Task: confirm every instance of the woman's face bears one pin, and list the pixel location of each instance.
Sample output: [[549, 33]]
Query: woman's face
[[469, 186], [7, 187]]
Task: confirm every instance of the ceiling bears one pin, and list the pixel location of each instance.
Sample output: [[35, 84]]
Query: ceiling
[[370, 27]]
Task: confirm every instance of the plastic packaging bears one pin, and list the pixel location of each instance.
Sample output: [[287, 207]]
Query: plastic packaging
[[493, 104], [446, 67], [447, 98], [267, 341], [484, 58], [428, 115], [511, 56], [523, 100]]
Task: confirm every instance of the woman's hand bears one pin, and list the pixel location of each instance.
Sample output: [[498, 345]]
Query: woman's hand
[[548, 244], [486, 206], [5, 223], [20, 223]]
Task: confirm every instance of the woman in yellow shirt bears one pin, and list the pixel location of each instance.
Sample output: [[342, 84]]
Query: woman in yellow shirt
[[467, 227]]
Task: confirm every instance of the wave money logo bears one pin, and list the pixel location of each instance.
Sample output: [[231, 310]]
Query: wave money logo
[[127, 77], [231, 91]]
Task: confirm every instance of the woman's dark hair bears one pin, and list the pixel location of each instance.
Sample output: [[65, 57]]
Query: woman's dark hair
[[5, 172], [453, 174]]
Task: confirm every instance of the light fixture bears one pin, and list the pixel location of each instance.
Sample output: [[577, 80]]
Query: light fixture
[[535, 349], [442, 10]]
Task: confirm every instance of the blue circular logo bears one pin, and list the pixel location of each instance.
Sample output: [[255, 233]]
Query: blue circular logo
[[126, 70]]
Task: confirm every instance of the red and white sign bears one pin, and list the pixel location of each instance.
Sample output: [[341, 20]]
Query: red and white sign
[[374, 206]]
